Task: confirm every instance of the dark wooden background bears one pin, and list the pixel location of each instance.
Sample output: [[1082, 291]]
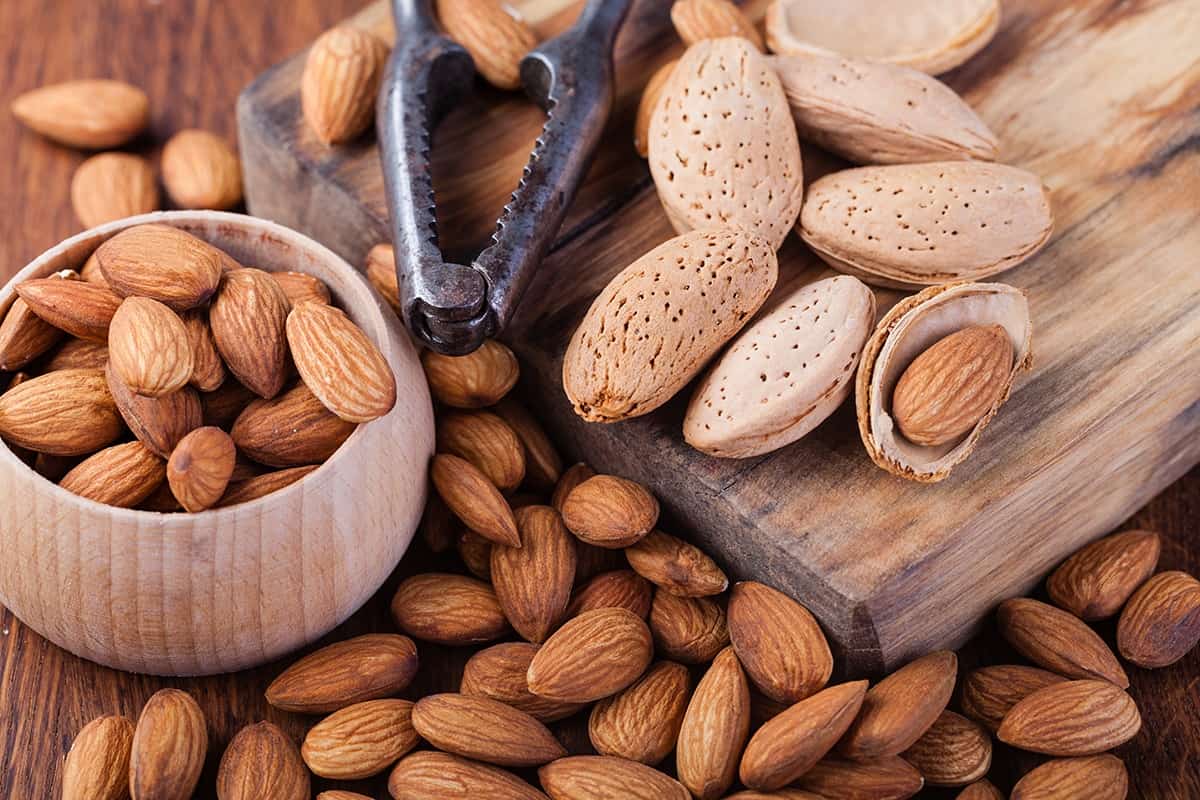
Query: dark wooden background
[[193, 57]]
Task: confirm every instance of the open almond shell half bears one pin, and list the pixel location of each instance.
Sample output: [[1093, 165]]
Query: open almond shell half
[[909, 329]]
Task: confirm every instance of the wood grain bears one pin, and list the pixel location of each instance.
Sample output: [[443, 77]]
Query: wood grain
[[47, 695]]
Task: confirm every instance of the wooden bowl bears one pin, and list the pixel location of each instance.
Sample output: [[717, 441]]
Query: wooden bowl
[[192, 594]]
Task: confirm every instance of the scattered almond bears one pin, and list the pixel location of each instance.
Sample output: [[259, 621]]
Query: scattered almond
[[344, 673], [543, 465], [890, 778], [642, 722], [688, 629], [989, 692], [429, 775], [122, 475], [484, 730], [200, 468], [80, 308], [616, 589], [1161, 622], [499, 672], [67, 413], [97, 766], [901, 707], [290, 430], [88, 114], [571, 477], [474, 499], [676, 566], [169, 745], [1073, 718], [486, 441], [262, 762], [476, 554], [533, 582], [714, 729], [953, 752], [981, 790], [778, 642], [696, 20], [162, 263], [1058, 641], [607, 778], [341, 79], [476, 380], [249, 325], [1100, 777], [361, 740], [113, 186], [611, 512], [201, 170], [592, 656], [494, 33], [448, 609], [1096, 581]]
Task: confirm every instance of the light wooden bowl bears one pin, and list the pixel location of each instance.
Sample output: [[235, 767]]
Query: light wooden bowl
[[191, 594]]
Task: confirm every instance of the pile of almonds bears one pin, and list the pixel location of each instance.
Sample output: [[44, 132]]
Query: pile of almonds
[[160, 375], [582, 613]]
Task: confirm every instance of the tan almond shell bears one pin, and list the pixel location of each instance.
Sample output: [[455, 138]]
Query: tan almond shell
[[785, 373], [905, 332], [723, 149], [912, 225], [930, 35], [875, 113]]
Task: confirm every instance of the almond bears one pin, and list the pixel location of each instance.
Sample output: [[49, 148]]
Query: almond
[[78, 354], [122, 475], [200, 468], [339, 363], [889, 778], [249, 322], [169, 745], [647, 106], [494, 33], [792, 742], [448, 609], [80, 308], [901, 707], [1057, 640], [658, 321], [381, 271], [341, 77], [223, 404], [149, 348], [948, 388], [97, 766], [113, 186], [782, 794], [592, 656], [208, 371], [300, 288], [696, 20], [607, 778], [543, 464], [533, 582], [88, 114], [612, 512], [953, 752], [428, 775], [24, 336], [591, 561], [157, 422], [338, 794], [1090, 778], [723, 147], [486, 441], [290, 430], [778, 642], [1161, 622], [1073, 718], [571, 477], [981, 790], [972, 220], [714, 729], [989, 692], [476, 380], [617, 589], [361, 740], [485, 730], [262, 485], [642, 722], [676, 566], [201, 170], [91, 272], [688, 629], [476, 554], [67, 413], [344, 673], [162, 263], [1096, 581], [262, 762], [499, 673], [474, 499]]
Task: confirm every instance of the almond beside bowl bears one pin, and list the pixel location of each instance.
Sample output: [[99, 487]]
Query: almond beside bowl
[[227, 588]]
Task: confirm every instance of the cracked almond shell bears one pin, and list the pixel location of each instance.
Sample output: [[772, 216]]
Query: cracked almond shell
[[909, 329]]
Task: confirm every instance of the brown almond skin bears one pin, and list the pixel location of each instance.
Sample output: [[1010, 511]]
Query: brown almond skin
[[262, 762], [714, 729], [222, 405], [201, 170], [1058, 640], [1161, 622], [448, 609], [645, 110], [889, 778], [200, 468], [642, 722], [982, 790], [901, 707], [592, 656], [361, 740], [496, 38], [676, 566], [248, 320], [344, 673], [499, 672], [122, 475], [477, 380], [262, 485], [989, 692], [1073, 718], [953, 752], [208, 371], [97, 765], [300, 287], [112, 186], [1102, 777], [381, 272], [341, 78], [607, 511], [792, 742], [290, 430], [163, 263], [338, 794], [160, 423], [64, 413], [543, 464], [87, 114], [24, 336], [695, 20], [617, 589], [149, 347], [476, 554], [486, 441], [484, 730], [533, 582], [82, 309], [474, 499], [782, 647], [571, 477], [169, 745], [607, 778], [782, 794], [77, 354], [429, 775], [688, 629], [1096, 581]]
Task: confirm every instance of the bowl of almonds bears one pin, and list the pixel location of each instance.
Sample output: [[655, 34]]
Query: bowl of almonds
[[216, 438]]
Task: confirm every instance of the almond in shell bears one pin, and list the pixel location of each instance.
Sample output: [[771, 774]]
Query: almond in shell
[[778, 641], [899, 709], [200, 467], [157, 422], [1161, 622], [592, 656], [366, 667], [290, 430], [533, 582], [499, 672], [429, 775], [676, 566], [88, 114], [201, 170], [642, 723], [169, 745], [494, 33], [688, 629], [486, 441], [1057, 640], [1102, 777], [448, 609], [1096, 581], [97, 765], [162, 263], [67, 413], [248, 320], [484, 730], [361, 740], [122, 475], [149, 348], [474, 499], [476, 380], [260, 762], [989, 692], [953, 752], [696, 20], [82, 309], [113, 186], [340, 81], [608, 511], [607, 778], [1073, 718]]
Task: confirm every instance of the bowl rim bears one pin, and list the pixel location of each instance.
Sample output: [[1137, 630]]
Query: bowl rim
[[338, 264]]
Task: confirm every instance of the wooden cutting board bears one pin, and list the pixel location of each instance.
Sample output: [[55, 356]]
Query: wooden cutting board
[[1101, 99]]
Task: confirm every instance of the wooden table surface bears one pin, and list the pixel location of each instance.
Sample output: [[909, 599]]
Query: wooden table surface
[[193, 57]]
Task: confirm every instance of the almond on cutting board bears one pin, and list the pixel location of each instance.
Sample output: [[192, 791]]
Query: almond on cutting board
[[66, 413], [989, 692], [494, 33], [785, 373], [1161, 622], [97, 765], [261, 761], [723, 149], [249, 325], [290, 430], [954, 751], [1096, 581], [201, 170], [361, 740], [484, 730], [82, 309], [169, 745], [608, 511], [607, 778], [533, 582], [592, 656], [688, 629], [88, 114], [714, 730], [779, 642], [341, 78], [122, 475], [877, 113], [200, 467], [1057, 640], [660, 320], [695, 20], [1102, 777], [901, 707], [351, 671], [642, 722], [113, 186], [1073, 718], [163, 263], [149, 348], [448, 609], [429, 775], [499, 672], [676, 566]]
